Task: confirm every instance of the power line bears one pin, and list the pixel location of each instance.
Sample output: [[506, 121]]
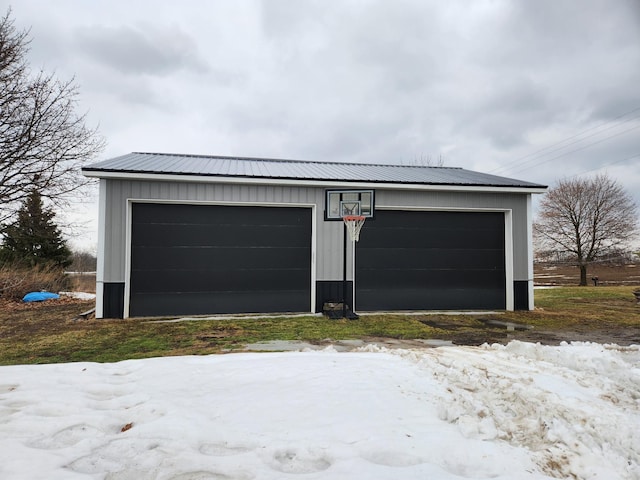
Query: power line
[[572, 137], [605, 166], [511, 167], [585, 138], [579, 149], [549, 149]]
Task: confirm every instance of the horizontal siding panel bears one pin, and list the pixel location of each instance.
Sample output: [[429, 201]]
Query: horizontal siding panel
[[194, 303], [220, 281], [184, 235], [436, 258], [438, 298], [175, 258], [423, 278]]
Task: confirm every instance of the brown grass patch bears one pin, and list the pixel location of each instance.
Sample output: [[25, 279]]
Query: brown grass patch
[[16, 282], [608, 275], [82, 282]]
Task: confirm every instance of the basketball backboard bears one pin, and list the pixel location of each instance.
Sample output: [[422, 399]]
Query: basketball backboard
[[339, 203]]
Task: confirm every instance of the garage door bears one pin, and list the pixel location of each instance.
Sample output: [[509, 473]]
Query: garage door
[[408, 260], [201, 259]]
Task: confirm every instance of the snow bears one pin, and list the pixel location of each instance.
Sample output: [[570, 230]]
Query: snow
[[79, 295], [520, 411]]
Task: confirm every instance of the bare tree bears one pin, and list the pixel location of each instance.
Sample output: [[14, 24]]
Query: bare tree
[[83, 261], [586, 219], [43, 142], [423, 160]]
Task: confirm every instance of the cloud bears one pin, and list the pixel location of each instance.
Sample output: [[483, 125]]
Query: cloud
[[485, 83], [141, 49]]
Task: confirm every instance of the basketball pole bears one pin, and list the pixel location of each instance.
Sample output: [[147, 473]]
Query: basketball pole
[[352, 226], [344, 271], [353, 278]]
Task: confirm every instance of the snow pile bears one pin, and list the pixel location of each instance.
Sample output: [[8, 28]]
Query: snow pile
[[576, 408], [520, 411]]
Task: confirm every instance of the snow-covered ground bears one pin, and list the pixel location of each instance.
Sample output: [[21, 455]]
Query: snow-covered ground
[[520, 411]]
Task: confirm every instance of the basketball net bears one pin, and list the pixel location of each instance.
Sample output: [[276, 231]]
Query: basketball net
[[354, 224]]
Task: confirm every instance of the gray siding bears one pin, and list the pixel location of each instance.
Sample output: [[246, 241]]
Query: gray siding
[[328, 234]]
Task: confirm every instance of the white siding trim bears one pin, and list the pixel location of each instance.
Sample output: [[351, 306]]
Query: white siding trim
[[508, 254], [530, 274], [314, 235], [131, 201], [308, 183], [127, 257], [442, 209], [101, 257]]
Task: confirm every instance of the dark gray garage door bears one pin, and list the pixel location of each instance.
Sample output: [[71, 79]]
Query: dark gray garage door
[[201, 259], [409, 260]]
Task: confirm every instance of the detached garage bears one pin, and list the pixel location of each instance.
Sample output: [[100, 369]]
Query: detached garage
[[198, 235]]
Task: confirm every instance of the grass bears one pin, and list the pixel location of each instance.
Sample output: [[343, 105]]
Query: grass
[[585, 306], [47, 333]]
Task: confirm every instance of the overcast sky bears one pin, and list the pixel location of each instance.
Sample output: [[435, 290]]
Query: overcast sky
[[535, 90]]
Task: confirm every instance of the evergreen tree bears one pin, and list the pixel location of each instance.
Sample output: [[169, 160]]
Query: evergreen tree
[[34, 239]]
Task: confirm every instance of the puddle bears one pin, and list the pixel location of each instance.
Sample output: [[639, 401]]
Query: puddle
[[343, 345]]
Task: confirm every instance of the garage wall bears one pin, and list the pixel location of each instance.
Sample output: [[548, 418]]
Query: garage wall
[[329, 234], [328, 261]]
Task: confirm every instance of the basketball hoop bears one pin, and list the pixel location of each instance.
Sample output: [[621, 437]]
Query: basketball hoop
[[354, 224]]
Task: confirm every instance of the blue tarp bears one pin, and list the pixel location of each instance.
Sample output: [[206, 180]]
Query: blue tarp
[[39, 296]]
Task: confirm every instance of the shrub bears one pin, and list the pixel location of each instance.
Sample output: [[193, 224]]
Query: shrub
[[82, 282], [16, 282]]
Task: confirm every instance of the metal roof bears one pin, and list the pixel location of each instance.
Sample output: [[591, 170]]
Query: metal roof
[[267, 168]]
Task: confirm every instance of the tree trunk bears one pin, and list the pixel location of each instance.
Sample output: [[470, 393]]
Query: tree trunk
[[583, 275]]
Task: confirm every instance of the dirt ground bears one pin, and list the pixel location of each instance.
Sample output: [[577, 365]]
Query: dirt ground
[[608, 334], [549, 274], [26, 320], [556, 275]]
